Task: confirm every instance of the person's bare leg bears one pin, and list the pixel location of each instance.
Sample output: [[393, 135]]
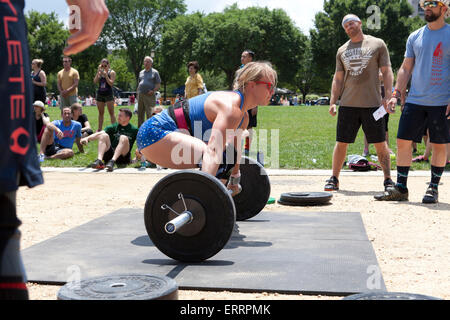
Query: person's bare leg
[[122, 148], [366, 147], [104, 144], [439, 155], [110, 106], [176, 151], [101, 115], [448, 153], [384, 158], [339, 154], [404, 153], [47, 140], [63, 154]]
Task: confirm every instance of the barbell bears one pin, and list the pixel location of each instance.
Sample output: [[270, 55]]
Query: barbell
[[190, 215]]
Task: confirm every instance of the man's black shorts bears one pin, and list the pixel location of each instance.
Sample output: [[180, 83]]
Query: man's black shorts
[[53, 149], [121, 160], [105, 97], [415, 119], [350, 119]]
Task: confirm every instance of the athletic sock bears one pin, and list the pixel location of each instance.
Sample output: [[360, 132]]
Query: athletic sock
[[402, 177], [436, 174]]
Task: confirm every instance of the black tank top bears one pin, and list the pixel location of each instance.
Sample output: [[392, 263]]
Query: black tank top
[[39, 92], [104, 87]]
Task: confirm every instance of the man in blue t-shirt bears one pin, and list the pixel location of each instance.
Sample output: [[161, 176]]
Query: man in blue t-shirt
[[427, 60], [59, 136]]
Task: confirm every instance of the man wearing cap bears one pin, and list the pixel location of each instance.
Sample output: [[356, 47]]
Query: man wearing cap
[[427, 64], [42, 119], [356, 83]]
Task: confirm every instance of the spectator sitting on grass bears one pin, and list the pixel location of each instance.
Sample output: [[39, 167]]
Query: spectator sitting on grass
[[59, 136], [42, 119], [77, 115], [115, 142]]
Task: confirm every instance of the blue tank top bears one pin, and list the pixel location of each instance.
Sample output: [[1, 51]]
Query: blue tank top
[[199, 121]]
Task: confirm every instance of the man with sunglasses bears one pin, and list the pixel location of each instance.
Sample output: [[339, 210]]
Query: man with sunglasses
[[19, 165], [356, 82], [427, 64]]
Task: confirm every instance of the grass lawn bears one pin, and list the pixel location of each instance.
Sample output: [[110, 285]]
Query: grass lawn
[[306, 138]]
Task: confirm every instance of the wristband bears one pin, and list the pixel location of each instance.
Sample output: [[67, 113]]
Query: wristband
[[396, 94]]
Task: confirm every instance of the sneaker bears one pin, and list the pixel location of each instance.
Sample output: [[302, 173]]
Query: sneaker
[[98, 164], [420, 159], [388, 183], [41, 158], [393, 194], [431, 196], [110, 166], [332, 184]]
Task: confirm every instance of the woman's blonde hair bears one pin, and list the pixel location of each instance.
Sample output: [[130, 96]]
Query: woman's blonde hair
[[38, 62], [254, 71]]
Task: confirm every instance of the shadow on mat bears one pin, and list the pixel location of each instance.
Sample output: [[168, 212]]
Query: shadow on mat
[[143, 241], [180, 266], [238, 240]]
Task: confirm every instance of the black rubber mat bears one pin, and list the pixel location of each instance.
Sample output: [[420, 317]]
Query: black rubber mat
[[289, 252]]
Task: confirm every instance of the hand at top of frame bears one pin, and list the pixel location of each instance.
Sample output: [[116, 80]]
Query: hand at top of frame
[[93, 15]]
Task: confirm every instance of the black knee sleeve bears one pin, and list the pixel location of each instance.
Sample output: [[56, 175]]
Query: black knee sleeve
[[12, 271]]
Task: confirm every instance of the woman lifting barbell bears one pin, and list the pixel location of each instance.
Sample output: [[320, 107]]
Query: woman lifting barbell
[[196, 131]]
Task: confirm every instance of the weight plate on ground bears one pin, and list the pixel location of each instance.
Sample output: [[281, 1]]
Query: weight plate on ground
[[255, 190], [389, 296], [216, 216], [305, 198], [121, 287]]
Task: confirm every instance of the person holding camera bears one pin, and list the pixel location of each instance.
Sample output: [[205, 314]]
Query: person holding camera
[[105, 77]]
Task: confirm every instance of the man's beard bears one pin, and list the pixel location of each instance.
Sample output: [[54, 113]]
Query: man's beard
[[432, 17]]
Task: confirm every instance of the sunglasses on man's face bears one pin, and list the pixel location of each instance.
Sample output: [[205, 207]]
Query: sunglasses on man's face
[[432, 4]]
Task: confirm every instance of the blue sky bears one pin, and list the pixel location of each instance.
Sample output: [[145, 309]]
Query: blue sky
[[302, 12]]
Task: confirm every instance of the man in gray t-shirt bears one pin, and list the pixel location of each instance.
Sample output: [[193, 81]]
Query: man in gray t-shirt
[[149, 83]]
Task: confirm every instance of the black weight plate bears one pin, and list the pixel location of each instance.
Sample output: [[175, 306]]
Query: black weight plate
[[216, 224], [255, 190], [389, 296], [305, 198], [121, 287]]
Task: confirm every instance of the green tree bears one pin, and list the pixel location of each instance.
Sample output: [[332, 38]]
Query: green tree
[[46, 38], [137, 26], [386, 19], [270, 33], [176, 47], [124, 78]]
